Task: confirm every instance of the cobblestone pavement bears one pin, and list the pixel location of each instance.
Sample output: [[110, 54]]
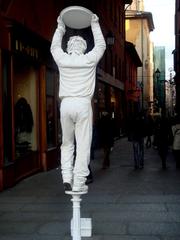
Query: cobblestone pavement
[[124, 204]]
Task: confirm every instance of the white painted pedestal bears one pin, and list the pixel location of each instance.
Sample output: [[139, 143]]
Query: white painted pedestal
[[80, 227]]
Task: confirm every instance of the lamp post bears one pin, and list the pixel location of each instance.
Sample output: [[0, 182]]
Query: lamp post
[[157, 72], [164, 97], [172, 89], [110, 38], [157, 76], [163, 91]]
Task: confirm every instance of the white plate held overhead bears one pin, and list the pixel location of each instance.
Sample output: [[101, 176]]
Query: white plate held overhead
[[76, 17]]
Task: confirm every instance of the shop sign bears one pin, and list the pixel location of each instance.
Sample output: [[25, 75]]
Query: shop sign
[[24, 48], [26, 42], [30, 44]]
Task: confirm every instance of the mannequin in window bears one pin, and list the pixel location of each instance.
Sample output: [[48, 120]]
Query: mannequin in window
[[23, 123]]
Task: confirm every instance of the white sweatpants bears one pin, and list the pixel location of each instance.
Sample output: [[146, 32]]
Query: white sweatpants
[[76, 123]]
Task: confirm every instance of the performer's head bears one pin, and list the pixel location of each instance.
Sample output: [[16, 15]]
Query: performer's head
[[76, 44]]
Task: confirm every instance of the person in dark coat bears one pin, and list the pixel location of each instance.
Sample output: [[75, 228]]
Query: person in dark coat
[[176, 140], [106, 137], [164, 136], [149, 130], [137, 129]]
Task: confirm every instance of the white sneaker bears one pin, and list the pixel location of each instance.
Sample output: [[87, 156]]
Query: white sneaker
[[80, 188]]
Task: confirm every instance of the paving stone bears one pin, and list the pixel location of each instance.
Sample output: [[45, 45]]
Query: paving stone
[[171, 238], [17, 237], [30, 237], [132, 216], [173, 207], [18, 227], [52, 207], [118, 237], [146, 198], [141, 228], [147, 207], [54, 228], [35, 216], [109, 228], [9, 207]]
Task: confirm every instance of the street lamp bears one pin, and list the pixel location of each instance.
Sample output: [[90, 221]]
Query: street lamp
[[163, 91], [172, 89], [110, 39], [157, 73], [156, 89]]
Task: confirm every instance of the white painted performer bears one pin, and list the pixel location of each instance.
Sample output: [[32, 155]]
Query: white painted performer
[[77, 83]]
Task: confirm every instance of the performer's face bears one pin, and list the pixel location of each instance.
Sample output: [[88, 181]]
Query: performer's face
[[76, 44]]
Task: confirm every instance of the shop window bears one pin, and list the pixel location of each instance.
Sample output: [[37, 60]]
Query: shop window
[[52, 108], [7, 116], [25, 107]]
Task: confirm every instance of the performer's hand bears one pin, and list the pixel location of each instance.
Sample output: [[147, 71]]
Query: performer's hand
[[94, 18], [61, 24]]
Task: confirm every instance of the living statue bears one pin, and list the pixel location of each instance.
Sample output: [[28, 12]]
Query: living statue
[[77, 72]]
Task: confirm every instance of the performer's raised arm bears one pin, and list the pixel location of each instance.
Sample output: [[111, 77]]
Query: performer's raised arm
[[56, 45], [99, 42]]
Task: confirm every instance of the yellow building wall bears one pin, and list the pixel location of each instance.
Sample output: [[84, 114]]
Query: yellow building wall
[[137, 32]]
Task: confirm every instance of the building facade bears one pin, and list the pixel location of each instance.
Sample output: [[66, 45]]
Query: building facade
[[139, 24], [132, 89], [29, 103], [177, 54], [30, 133], [159, 79]]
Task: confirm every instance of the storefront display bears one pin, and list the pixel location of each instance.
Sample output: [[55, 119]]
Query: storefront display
[[29, 138]]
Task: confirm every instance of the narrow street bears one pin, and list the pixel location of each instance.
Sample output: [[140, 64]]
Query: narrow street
[[124, 204]]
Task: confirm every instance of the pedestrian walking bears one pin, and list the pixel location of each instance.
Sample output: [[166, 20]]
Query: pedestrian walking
[[156, 130], [106, 137], [176, 140], [163, 139], [149, 125], [137, 134]]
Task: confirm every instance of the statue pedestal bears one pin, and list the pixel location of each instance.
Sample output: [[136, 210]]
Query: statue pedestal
[[80, 227]]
